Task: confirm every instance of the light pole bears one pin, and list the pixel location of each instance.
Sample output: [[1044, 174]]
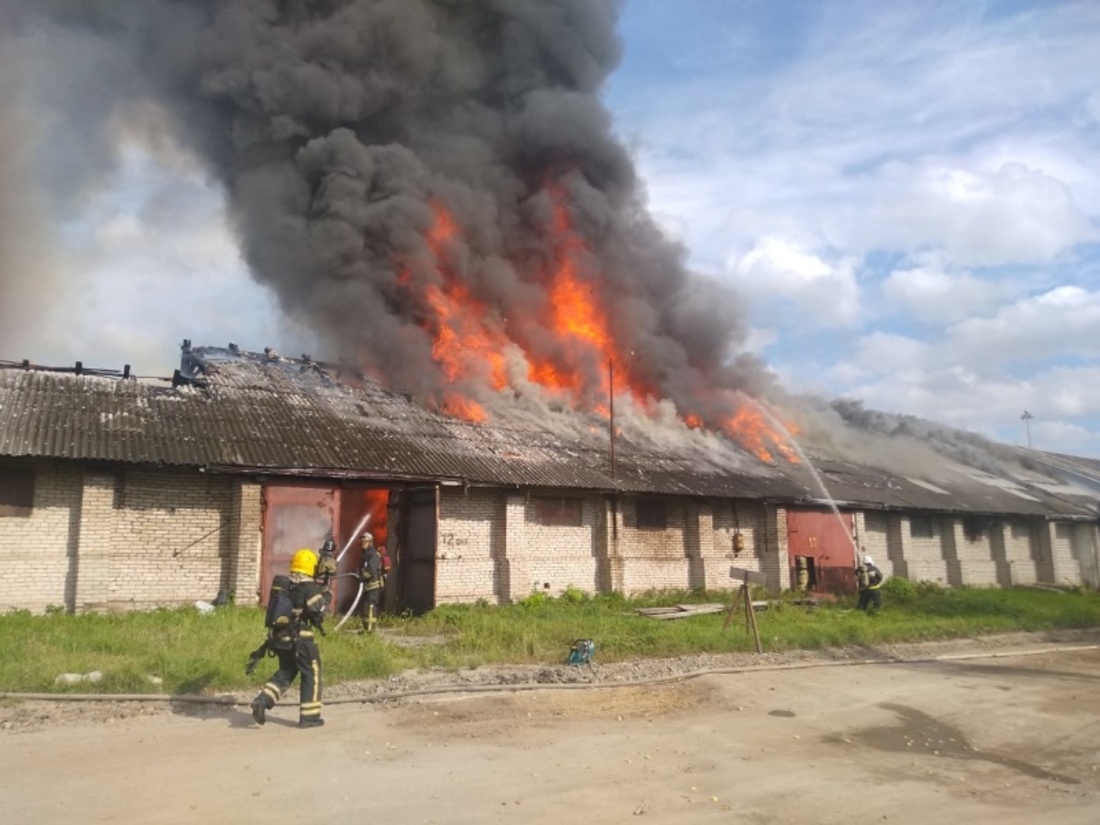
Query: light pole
[[1026, 418]]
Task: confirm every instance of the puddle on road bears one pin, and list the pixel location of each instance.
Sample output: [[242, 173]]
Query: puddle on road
[[921, 733]]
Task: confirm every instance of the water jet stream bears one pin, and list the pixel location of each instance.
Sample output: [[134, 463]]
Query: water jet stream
[[780, 427], [354, 535]]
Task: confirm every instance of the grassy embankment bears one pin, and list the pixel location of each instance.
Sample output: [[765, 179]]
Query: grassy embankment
[[192, 653]]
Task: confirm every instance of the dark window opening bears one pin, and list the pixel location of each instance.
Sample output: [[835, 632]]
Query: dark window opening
[[557, 512], [973, 528], [16, 493], [651, 514], [921, 527], [119, 500]]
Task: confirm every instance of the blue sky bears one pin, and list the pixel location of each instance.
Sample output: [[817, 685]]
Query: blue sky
[[905, 195]]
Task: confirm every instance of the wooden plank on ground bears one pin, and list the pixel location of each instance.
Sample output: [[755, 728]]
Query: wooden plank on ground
[[680, 611]]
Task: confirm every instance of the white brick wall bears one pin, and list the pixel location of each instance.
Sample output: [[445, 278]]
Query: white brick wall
[[101, 539], [152, 538], [520, 556], [775, 550], [1074, 553], [1009, 551], [37, 551], [1021, 551], [924, 556], [490, 546]]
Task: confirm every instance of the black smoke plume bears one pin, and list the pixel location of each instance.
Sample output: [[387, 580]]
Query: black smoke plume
[[338, 127]]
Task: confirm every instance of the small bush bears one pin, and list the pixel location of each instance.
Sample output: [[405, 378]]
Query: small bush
[[574, 595], [900, 590], [535, 600]]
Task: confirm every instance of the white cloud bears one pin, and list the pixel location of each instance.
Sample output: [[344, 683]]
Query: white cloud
[[1013, 215], [825, 294], [931, 294], [118, 233], [1061, 322], [885, 352], [758, 339]]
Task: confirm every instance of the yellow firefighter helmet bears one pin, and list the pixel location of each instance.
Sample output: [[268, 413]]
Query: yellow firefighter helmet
[[304, 561]]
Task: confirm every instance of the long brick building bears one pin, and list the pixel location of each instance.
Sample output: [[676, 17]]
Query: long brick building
[[118, 494]]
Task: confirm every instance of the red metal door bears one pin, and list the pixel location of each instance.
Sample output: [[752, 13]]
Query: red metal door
[[295, 516], [826, 538]]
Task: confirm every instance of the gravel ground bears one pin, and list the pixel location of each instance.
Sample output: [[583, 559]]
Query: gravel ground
[[20, 715]]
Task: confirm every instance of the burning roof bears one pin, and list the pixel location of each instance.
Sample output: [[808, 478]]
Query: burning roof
[[240, 412]]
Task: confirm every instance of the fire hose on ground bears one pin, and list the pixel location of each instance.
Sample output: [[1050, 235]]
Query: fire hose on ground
[[230, 701]]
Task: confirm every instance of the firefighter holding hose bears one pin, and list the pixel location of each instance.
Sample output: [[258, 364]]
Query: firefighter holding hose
[[372, 578], [869, 579]]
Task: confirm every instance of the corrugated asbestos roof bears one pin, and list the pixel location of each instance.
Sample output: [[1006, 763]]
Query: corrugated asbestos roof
[[252, 413]]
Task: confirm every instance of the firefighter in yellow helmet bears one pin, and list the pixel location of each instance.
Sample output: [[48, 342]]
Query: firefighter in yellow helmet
[[294, 612]]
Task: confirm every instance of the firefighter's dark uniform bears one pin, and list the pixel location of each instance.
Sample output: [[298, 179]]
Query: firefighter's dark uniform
[[373, 580], [298, 652], [870, 580]]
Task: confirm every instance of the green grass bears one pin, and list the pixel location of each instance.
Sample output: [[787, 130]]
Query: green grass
[[191, 653]]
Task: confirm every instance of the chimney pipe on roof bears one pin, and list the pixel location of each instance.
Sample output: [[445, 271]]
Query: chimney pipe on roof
[[126, 371]]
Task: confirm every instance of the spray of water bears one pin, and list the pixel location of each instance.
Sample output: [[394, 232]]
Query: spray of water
[[778, 426], [354, 535]]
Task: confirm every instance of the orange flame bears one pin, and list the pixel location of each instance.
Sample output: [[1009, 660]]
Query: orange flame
[[750, 428], [466, 343], [470, 340], [584, 345]]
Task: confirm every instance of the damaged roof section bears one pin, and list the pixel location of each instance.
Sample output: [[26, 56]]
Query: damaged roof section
[[234, 411]]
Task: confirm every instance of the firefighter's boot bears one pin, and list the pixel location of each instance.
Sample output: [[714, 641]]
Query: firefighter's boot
[[259, 709]]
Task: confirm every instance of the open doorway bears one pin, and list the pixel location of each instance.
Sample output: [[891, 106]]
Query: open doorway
[[362, 510], [414, 522]]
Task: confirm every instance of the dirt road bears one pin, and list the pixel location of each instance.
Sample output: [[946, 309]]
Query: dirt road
[[1010, 737]]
